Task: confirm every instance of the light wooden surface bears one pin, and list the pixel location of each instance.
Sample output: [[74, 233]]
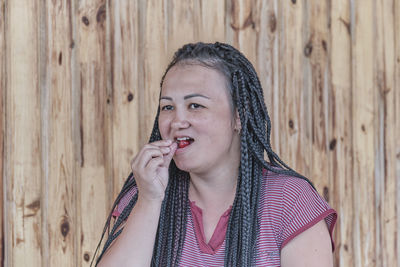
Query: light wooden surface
[[2, 120], [79, 91]]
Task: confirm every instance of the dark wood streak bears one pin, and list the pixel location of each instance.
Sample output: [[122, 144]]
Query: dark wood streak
[[101, 14]]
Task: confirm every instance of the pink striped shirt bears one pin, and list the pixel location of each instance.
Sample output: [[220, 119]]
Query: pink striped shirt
[[288, 206]]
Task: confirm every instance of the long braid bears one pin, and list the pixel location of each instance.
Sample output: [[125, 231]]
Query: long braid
[[247, 98]]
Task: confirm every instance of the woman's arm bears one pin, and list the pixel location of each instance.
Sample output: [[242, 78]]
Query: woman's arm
[[134, 246], [312, 248]]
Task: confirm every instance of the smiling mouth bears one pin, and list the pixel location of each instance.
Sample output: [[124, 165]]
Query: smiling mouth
[[184, 141]]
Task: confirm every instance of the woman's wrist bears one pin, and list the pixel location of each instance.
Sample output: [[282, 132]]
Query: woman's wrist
[[149, 203]]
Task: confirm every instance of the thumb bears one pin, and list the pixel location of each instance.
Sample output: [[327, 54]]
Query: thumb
[[168, 157]]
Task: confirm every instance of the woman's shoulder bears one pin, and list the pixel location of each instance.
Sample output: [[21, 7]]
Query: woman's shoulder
[[291, 194], [284, 183], [292, 205]]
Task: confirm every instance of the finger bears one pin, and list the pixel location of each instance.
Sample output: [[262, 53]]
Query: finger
[[168, 157], [159, 143], [154, 163], [147, 155], [164, 149]]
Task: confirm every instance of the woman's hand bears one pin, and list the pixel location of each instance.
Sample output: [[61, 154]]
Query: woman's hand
[[150, 169], [134, 246]]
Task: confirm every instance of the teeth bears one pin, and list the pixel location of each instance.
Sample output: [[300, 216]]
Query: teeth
[[182, 138]]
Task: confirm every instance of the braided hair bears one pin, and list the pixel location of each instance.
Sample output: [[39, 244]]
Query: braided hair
[[247, 99]]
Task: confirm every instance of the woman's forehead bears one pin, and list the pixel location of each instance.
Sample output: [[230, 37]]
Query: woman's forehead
[[193, 77]]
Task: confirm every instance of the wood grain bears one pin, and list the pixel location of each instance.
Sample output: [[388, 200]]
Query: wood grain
[[23, 140], [243, 27], [384, 84], [396, 115], [79, 90], [2, 121], [295, 96], [125, 93], [60, 185], [95, 174], [210, 21], [154, 61], [340, 130], [364, 107], [317, 71], [181, 27]]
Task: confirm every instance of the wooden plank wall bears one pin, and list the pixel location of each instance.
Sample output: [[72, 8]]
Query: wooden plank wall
[[79, 91]]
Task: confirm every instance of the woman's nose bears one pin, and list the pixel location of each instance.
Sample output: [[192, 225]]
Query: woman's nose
[[180, 121]]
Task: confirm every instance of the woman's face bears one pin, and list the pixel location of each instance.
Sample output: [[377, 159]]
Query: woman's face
[[195, 111]]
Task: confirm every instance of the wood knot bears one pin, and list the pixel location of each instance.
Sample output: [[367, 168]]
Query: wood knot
[[34, 206], [86, 256], [64, 227], [332, 144], [101, 14], [272, 22], [130, 97], [324, 45], [85, 20], [308, 49], [363, 128], [248, 22], [293, 1], [345, 247], [291, 124], [108, 101]]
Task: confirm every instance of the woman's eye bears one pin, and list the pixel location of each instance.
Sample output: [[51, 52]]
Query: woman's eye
[[167, 107], [195, 106]]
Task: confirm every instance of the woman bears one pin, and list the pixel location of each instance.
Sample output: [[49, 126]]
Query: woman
[[201, 193]]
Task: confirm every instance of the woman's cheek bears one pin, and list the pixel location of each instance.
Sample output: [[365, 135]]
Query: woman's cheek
[[163, 127]]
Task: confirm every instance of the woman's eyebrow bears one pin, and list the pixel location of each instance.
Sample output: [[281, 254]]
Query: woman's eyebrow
[[185, 97], [195, 95]]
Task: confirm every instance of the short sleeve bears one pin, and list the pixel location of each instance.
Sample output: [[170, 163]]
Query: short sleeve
[[124, 201], [302, 208]]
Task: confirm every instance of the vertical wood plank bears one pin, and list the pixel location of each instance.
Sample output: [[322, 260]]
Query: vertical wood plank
[[242, 23], [267, 65], [57, 121], [95, 177], [397, 120], [2, 121], [211, 21], [340, 130], [384, 79], [124, 32], [294, 114], [23, 142], [363, 110], [316, 50], [154, 61], [180, 24]]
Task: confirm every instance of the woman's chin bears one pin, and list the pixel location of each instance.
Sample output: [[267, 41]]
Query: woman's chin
[[184, 166]]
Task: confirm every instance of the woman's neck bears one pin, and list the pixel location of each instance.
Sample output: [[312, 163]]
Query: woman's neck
[[217, 188]]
